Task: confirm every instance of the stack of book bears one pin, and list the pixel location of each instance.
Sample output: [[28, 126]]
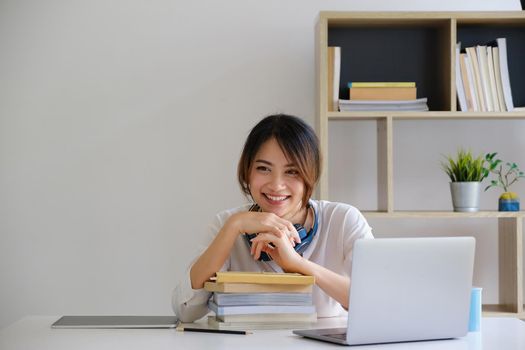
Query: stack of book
[[261, 300], [482, 78], [383, 96]]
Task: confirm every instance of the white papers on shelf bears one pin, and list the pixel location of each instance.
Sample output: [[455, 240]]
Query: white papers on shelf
[[419, 105]]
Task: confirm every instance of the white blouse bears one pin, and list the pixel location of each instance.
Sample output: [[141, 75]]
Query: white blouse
[[339, 226]]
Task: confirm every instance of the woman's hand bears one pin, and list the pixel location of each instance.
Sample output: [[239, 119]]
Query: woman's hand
[[256, 222], [220, 248], [279, 248]]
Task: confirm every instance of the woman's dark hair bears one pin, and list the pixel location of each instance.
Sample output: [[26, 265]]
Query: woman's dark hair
[[298, 143]]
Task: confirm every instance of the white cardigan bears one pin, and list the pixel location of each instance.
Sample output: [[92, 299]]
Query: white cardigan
[[339, 225]]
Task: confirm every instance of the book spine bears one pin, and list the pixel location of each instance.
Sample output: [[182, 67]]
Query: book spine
[[388, 93], [353, 84], [266, 309], [492, 80], [256, 288], [330, 78], [465, 83], [504, 71], [472, 84], [337, 77], [268, 318], [238, 299], [460, 87], [263, 278], [481, 51], [473, 59], [497, 74], [334, 73]]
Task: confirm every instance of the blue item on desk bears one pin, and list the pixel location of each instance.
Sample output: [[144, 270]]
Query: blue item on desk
[[474, 323]]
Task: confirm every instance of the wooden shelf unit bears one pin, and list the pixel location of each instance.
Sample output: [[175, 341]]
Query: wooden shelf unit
[[429, 40]]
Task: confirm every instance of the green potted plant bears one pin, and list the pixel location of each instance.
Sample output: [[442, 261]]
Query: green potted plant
[[466, 173], [505, 176]]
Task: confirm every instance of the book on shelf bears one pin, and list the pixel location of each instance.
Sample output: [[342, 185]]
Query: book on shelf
[[460, 83], [334, 74], [471, 83], [481, 52], [238, 299], [491, 76], [262, 278], [492, 80], [382, 93], [467, 82], [260, 309], [383, 84], [504, 72], [257, 288], [419, 105], [271, 323], [497, 75], [473, 62]]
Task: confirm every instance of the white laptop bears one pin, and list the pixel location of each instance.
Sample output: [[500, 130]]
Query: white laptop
[[406, 289]]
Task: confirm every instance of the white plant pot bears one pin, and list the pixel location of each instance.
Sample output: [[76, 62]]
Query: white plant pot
[[465, 196]]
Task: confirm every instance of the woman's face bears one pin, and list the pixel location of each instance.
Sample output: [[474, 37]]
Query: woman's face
[[275, 184]]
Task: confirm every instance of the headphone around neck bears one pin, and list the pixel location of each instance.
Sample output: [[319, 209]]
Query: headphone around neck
[[306, 237]]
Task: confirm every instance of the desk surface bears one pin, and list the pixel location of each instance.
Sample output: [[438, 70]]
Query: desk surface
[[36, 333]]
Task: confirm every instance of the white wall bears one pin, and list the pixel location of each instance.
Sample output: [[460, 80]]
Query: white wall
[[120, 127]]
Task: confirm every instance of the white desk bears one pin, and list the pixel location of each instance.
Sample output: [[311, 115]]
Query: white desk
[[35, 333]]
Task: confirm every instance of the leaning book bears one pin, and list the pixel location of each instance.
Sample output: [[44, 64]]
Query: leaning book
[[334, 73]]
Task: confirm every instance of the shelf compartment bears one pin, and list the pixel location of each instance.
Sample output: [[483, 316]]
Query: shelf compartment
[[379, 49], [472, 34]]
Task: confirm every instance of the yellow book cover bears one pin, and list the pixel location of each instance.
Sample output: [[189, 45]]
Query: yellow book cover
[[257, 288], [385, 94], [404, 84], [263, 278]]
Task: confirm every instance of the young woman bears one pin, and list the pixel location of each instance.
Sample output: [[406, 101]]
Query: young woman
[[283, 229]]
